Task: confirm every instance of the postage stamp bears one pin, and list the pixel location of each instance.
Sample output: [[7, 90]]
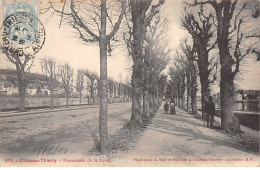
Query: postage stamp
[[15, 7], [22, 32]]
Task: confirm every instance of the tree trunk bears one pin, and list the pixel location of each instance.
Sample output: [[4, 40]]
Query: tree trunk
[[203, 72], [188, 89], [125, 92], [151, 104], [194, 103], [92, 91], [157, 96], [51, 106], [188, 103], [80, 96], [103, 133], [22, 91], [228, 120], [67, 100], [153, 99], [111, 94], [183, 101], [119, 93], [139, 31], [146, 112], [136, 118], [156, 103], [194, 92], [114, 100], [178, 100]]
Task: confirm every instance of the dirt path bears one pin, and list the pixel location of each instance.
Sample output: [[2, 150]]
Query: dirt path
[[182, 140]]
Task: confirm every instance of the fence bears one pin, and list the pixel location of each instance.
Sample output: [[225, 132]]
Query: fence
[[12, 103]]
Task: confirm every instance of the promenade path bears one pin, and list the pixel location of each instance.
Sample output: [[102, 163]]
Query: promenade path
[[182, 140], [68, 134]]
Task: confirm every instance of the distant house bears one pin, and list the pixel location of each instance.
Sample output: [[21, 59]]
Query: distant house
[[7, 88], [12, 90], [43, 90], [32, 89], [3, 90], [35, 87]]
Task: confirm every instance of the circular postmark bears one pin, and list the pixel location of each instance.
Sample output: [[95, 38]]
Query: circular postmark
[[22, 33]]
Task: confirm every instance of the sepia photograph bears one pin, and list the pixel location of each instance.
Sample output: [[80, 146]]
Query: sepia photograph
[[129, 83]]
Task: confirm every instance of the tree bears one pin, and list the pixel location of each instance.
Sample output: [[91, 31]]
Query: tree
[[111, 89], [89, 18], [23, 65], [174, 85], [66, 73], [80, 84], [169, 91], [230, 37], [92, 76], [162, 82], [191, 74], [179, 75], [155, 60], [51, 70], [141, 18], [201, 27], [115, 92]]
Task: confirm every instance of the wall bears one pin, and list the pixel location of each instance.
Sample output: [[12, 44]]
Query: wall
[[33, 102]]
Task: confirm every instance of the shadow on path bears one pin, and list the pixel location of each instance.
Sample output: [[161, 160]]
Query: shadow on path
[[185, 127]]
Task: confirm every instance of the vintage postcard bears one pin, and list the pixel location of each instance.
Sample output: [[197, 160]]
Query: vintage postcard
[[129, 83]]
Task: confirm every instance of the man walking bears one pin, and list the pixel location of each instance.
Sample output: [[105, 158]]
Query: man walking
[[210, 111]]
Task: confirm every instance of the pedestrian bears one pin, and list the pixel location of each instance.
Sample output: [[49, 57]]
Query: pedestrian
[[210, 112], [166, 107], [172, 107]]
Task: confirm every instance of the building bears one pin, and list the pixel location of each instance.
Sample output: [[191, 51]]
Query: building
[[34, 87]]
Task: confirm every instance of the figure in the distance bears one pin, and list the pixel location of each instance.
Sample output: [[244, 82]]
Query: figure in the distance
[[172, 107], [166, 107], [210, 111]]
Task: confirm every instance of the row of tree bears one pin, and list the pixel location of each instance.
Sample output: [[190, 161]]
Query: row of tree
[[98, 22], [94, 19], [146, 40], [223, 24], [55, 77]]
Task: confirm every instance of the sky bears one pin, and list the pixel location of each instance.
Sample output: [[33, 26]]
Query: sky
[[63, 45]]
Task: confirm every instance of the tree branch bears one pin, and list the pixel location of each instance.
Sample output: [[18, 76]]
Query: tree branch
[[80, 23], [153, 12], [235, 21], [117, 24]]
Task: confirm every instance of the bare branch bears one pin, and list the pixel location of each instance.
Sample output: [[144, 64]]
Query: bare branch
[[153, 12], [80, 23], [235, 20], [57, 11], [117, 24]]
